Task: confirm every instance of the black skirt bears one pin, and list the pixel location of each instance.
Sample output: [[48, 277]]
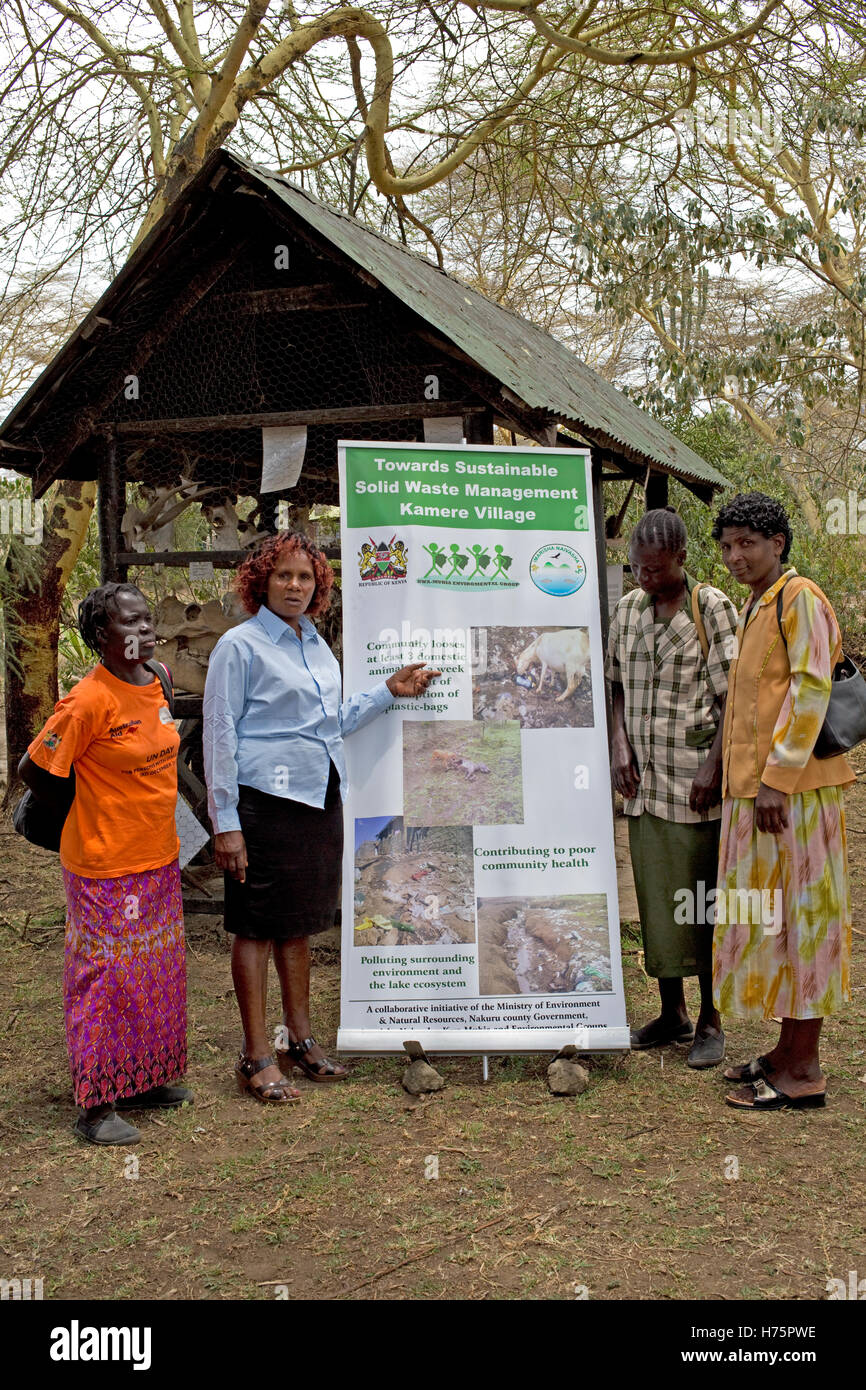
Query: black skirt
[[292, 885]]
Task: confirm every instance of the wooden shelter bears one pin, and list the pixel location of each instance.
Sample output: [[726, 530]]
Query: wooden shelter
[[252, 305]]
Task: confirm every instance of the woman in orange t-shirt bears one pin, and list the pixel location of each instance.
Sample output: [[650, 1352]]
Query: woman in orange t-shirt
[[125, 963]]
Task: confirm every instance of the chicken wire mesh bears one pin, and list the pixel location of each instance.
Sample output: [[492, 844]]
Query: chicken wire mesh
[[239, 351]]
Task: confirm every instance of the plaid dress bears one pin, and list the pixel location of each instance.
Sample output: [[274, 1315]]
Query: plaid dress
[[672, 709], [672, 696]]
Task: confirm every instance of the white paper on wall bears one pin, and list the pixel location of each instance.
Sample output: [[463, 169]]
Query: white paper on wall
[[444, 429], [283, 450]]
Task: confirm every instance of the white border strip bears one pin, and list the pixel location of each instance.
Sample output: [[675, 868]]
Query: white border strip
[[475, 1041]]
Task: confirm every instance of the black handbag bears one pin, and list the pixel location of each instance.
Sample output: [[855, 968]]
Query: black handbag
[[845, 721], [41, 821]]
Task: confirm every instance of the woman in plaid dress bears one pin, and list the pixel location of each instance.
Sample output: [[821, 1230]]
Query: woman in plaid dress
[[668, 701]]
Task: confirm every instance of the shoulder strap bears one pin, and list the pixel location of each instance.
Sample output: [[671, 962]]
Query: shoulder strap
[[161, 672], [806, 585], [699, 622], [779, 603]]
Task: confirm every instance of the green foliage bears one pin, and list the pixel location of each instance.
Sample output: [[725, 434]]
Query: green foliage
[[834, 562], [18, 573]]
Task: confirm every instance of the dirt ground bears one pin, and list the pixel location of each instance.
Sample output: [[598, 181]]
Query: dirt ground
[[644, 1187]]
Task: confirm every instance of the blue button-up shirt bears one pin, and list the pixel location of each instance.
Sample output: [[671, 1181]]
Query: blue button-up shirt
[[273, 719]]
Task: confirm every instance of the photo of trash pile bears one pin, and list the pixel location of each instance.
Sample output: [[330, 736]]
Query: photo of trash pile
[[413, 885], [544, 945]]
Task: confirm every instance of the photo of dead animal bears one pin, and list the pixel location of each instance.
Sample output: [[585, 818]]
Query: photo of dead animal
[[539, 676], [544, 945], [413, 886], [461, 772]]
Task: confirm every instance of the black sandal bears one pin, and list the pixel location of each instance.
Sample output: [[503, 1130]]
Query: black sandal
[[269, 1092], [766, 1096], [325, 1070], [756, 1070]]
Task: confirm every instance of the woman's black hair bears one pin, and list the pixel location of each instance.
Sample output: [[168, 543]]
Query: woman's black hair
[[760, 513], [663, 527], [96, 610]]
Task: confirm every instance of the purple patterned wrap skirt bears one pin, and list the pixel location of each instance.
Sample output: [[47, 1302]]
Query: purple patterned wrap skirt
[[124, 983]]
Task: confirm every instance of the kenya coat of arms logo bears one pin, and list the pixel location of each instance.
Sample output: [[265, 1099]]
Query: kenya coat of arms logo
[[382, 560]]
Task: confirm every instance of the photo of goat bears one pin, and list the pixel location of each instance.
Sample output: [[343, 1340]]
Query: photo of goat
[[413, 885], [539, 676], [544, 945], [461, 772]]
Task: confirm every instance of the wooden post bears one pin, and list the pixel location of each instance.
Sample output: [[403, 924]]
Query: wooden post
[[478, 428], [656, 490], [601, 561], [269, 512], [600, 547], [111, 506]]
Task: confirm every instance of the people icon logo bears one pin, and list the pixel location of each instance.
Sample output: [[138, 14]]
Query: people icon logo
[[467, 567]]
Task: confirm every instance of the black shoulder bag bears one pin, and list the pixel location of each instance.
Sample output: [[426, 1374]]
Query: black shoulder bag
[[41, 821], [845, 721]]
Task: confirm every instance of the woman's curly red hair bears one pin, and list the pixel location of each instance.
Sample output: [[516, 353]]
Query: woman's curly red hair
[[251, 580]]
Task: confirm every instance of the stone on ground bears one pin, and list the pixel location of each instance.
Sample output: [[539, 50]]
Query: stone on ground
[[419, 1078], [567, 1078]]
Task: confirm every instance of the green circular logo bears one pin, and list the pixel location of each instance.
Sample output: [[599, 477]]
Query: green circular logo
[[557, 570]]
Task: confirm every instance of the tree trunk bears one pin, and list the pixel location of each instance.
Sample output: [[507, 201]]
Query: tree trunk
[[30, 696]]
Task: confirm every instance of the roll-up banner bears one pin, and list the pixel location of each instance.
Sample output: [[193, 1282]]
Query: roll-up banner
[[479, 878]]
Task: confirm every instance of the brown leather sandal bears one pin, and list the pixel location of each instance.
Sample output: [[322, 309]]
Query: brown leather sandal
[[324, 1070], [269, 1092]]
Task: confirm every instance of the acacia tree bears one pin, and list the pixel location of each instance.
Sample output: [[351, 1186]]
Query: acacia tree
[[112, 106], [742, 252]]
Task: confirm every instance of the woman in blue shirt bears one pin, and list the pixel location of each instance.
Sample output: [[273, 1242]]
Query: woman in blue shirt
[[273, 752]]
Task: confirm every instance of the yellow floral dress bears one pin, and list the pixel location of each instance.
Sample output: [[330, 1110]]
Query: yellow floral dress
[[794, 962]]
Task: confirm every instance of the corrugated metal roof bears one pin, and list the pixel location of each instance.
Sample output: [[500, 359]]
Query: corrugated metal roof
[[536, 367]]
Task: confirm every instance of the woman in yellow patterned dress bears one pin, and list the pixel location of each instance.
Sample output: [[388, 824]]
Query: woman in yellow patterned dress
[[782, 942]]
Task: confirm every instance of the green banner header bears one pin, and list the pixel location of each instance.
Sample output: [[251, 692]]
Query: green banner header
[[501, 490]]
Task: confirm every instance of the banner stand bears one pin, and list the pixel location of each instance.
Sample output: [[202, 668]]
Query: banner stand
[[480, 906]]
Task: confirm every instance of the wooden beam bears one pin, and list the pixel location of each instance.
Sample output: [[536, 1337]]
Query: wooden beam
[[506, 406], [285, 301], [179, 559], [656, 490], [220, 559], [110, 507], [335, 415], [478, 426]]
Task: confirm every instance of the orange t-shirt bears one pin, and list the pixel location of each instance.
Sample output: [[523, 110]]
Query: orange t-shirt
[[123, 744]]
